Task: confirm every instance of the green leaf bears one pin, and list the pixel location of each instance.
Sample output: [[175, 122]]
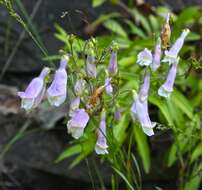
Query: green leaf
[[154, 23], [124, 178], [143, 147], [142, 20], [70, 151], [96, 3], [182, 103], [119, 130], [163, 108], [135, 30], [171, 155], [197, 152], [115, 27], [195, 179]]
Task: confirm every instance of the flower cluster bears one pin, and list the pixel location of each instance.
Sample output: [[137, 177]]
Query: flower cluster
[[84, 99], [139, 108], [86, 88], [36, 90]]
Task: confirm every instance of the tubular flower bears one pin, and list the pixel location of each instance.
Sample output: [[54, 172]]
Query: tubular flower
[[108, 86], [167, 87], [157, 56], [91, 67], [144, 90], [79, 87], [57, 92], [34, 93], [74, 105], [139, 109], [77, 123], [144, 58], [101, 144], [172, 54], [113, 65]]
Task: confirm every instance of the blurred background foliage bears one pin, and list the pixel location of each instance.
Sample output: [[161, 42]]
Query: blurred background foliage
[[135, 27]]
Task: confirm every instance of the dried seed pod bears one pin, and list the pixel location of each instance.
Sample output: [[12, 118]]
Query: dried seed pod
[[166, 33]]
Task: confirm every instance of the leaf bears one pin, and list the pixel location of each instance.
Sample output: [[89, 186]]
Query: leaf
[[143, 147], [124, 178], [115, 27], [96, 3], [182, 103], [197, 152], [70, 151], [142, 20], [154, 23], [195, 179], [193, 36], [171, 155], [119, 130], [135, 30], [163, 108]]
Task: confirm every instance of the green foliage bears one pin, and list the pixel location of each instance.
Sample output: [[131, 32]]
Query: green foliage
[[143, 147]]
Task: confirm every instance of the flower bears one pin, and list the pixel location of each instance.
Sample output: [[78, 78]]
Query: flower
[[144, 90], [172, 54], [167, 87], [144, 58], [57, 91], [79, 87], [77, 123], [157, 56], [74, 105], [34, 93], [108, 86], [101, 144], [113, 65], [90, 66], [139, 109]]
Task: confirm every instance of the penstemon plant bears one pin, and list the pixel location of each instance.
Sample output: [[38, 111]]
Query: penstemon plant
[[97, 112]]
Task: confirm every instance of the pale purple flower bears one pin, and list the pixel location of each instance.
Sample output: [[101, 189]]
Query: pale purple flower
[[139, 109], [157, 56], [144, 58], [77, 123], [113, 65], [34, 93], [144, 90], [108, 86], [172, 54], [79, 87], [74, 105], [166, 89], [57, 91], [91, 67], [101, 144]]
